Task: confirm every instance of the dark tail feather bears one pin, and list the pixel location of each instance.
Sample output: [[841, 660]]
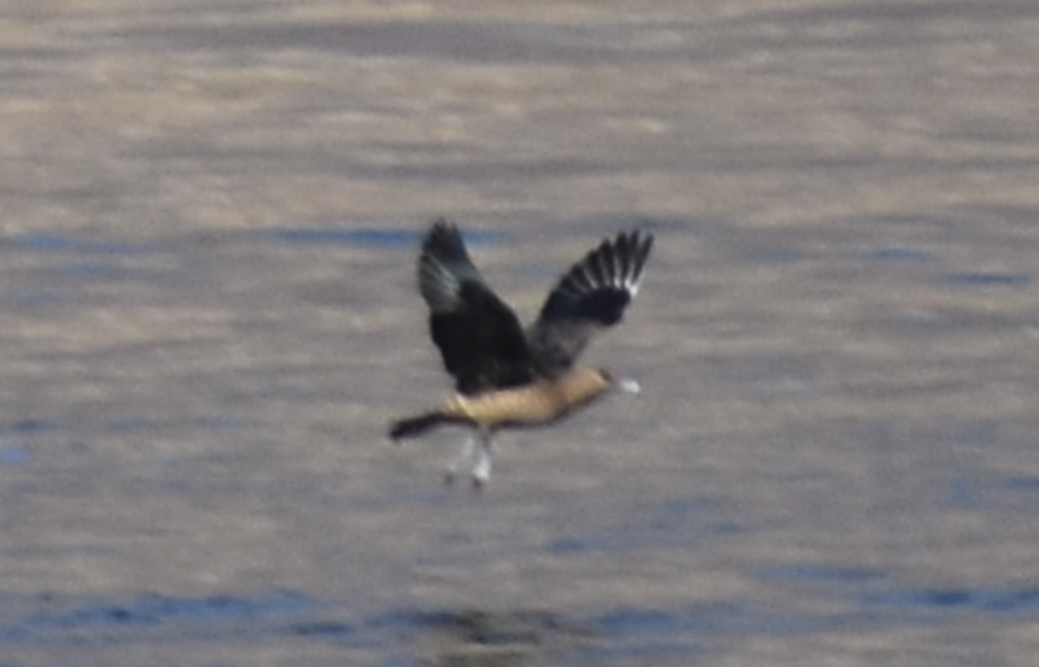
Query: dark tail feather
[[411, 427]]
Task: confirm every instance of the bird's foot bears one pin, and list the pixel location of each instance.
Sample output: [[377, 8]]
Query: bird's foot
[[475, 456], [481, 471], [465, 458]]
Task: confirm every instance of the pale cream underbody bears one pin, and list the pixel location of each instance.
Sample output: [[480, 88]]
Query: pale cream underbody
[[537, 403]]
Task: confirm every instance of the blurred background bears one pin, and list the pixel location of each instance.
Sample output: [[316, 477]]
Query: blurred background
[[209, 215]]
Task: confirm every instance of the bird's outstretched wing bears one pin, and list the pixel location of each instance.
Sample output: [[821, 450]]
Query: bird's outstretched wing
[[591, 296], [480, 339]]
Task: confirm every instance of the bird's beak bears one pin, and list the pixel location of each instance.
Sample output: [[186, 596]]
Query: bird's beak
[[629, 386]]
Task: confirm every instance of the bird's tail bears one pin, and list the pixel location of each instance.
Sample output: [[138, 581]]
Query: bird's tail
[[410, 427]]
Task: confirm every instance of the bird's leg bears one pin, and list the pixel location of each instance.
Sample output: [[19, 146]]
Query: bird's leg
[[481, 470], [466, 456]]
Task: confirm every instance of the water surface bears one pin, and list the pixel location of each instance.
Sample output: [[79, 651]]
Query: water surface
[[207, 280]]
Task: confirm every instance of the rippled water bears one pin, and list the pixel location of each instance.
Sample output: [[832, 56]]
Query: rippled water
[[210, 219]]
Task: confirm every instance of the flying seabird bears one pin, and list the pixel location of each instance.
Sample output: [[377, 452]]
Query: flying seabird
[[505, 375]]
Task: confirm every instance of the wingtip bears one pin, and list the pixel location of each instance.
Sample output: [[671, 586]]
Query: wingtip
[[624, 258], [443, 264], [443, 234], [635, 249], [599, 287]]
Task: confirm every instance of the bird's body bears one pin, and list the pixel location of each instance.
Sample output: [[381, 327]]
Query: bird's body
[[505, 375], [541, 402]]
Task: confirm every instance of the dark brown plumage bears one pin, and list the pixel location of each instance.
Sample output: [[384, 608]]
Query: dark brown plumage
[[506, 375]]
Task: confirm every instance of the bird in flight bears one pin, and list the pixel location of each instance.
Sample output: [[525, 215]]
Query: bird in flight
[[507, 375]]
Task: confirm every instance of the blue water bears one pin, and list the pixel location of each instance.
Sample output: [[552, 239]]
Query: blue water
[[376, 238], [88, 258], [614, 635], [81, 245], [409, 238], [986, 279], [863, 597], [669, 523], [899, 254]]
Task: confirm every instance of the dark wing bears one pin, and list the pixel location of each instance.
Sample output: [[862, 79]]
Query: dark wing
[[480, 338], [591, 296]]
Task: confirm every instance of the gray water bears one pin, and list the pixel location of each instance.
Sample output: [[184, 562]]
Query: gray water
[[210, 216]]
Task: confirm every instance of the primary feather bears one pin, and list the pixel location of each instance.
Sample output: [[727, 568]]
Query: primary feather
[[591, 296], [481, 341]]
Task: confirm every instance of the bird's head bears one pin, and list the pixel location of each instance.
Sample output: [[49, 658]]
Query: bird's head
[[623, 385]]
